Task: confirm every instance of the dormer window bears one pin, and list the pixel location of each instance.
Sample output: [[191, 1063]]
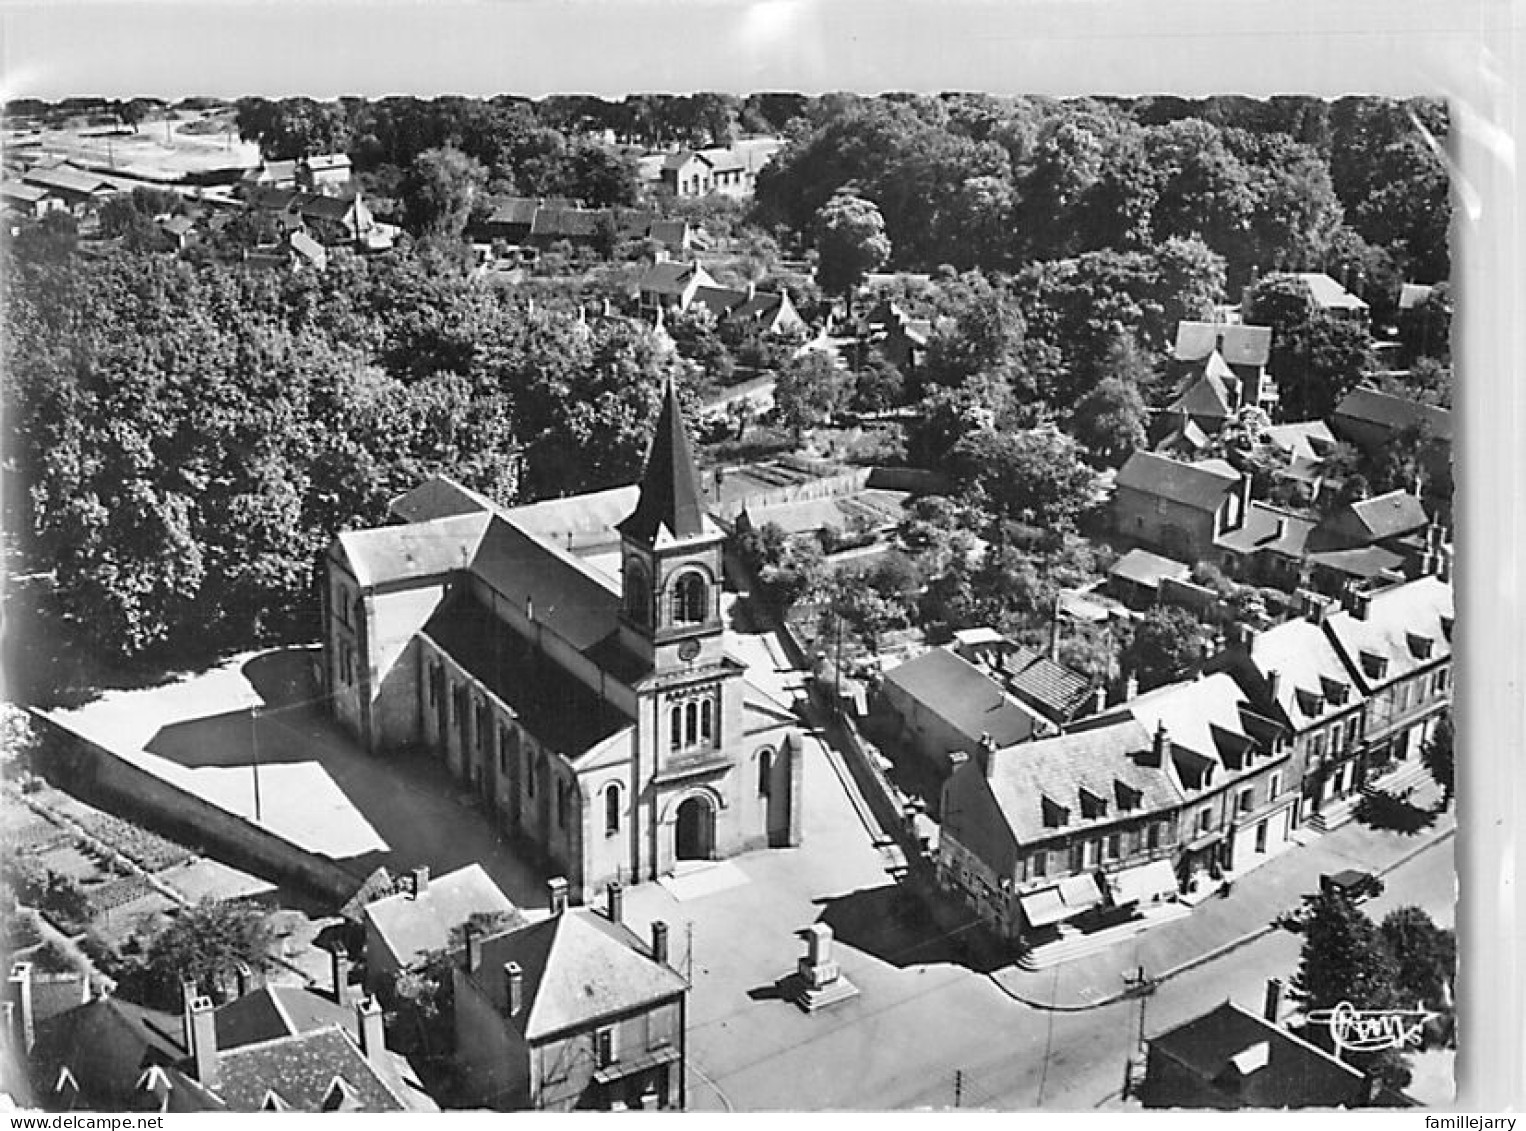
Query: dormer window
[[1446, 627], [1335, 689], [1128, 797], [1419, 646], [1055, 815], [1092, 806], [1311, 703], [1374, 666]]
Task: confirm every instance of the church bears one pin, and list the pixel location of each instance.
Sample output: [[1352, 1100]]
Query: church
[[568, 661]]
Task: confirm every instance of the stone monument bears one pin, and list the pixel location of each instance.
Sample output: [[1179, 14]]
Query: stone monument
[[819, 979]]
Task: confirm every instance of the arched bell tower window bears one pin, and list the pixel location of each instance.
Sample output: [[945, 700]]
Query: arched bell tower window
[[691, 599], [638, 595]]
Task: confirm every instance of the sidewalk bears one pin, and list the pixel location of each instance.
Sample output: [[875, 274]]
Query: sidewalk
[[1223, 924]]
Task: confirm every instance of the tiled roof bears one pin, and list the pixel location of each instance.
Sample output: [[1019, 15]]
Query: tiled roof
[[1044, 683], [1198, 485], [520, 210], [414, 926], [1291, 1072], [719, 301], [302, 1071], [1390, 515], [1205, 395], [670, 500], [1312, 682], [1402, 621], [1207, 717], [1311, 439], [569, 223], [67, 178], [964, 697], [106, 1044], [671, 277], [18, 191], [1096, 759], [268, 1012], [578, 969], [1372, 407]]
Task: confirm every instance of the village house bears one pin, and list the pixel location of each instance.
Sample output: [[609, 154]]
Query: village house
[[1081, 825], [598, 714], [422, 920], [1382, 539], [1397, 645], [939, 704], [1240, 785], [271, 1048], [1037, 681], [1293, 674], [571, 1012], [332, 219], [1137, 578], [1333, 299], [80, 190], [1179, 509], [722, 170], [763, 311], [1230, 1058], [30, 202], [1368, 419], [671, 285], [1222, 369]]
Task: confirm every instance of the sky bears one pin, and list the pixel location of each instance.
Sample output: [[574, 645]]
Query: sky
[[1468, 51]]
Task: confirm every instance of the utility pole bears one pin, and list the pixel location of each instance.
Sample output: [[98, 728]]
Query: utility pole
[[254, 766]]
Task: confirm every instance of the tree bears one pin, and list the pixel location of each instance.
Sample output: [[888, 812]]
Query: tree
[[1317, 357], [1345, 958], [1425, 330], [1425, 955], [809, 389], [851, 242], [1439, 758], [1167, 643], [1034, 476], [203, 944], [438, 191], [1111, 421]]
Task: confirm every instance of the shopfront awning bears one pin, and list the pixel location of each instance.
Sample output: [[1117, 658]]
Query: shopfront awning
[[1147, 882], [1074, 895]]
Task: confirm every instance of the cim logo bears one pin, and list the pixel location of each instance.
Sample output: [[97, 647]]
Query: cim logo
[[1370, 1030]]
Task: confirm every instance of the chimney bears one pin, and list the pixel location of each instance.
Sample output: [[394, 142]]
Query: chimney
[[1099, 699], [556, 892], [188, 994], [986, 755], [339, 968], [203, 1026], [19, 994], [1161, 747], [243, 978], [1273, 1002], [473, 949], [1361, 604], [514, 987], [616, 902], [1273, 682], [420, 881], [368, 1024], [1130, 687], [660, 942]]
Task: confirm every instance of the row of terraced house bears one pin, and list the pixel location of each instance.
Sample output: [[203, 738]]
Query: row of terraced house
[[1172, 791]]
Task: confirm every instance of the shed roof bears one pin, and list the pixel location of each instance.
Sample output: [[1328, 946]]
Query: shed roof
[[1147, 569], [958, 692]]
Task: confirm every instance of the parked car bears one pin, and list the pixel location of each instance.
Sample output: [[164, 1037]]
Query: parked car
[[1355, 885]]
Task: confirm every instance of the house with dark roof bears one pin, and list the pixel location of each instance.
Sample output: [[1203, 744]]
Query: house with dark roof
[[410, 925], [1233, 763], [573, 1011], [1379, 540], [31, 201], [1176, 508], [1064, 828], [78, 188], [1230, 1058], [939, 704], [671, 285], [1136, 578], [598, 713], [1368, 418], [271, 1049]]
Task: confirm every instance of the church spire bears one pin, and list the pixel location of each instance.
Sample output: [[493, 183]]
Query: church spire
[[670, 495]]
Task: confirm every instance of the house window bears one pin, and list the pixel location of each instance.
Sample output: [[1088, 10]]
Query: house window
[[1152, 836], [1319, 745], [1276, 785], [765, 769], [1247, 800], [1205, 819], [1089, 854], [611, 810], [605, 1050], [1110, 848], [1040, 863]]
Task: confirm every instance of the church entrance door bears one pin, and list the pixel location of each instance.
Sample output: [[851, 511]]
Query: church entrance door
[[694, 831]]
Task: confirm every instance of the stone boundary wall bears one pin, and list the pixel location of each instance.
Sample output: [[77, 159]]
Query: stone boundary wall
[[78, 765]]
